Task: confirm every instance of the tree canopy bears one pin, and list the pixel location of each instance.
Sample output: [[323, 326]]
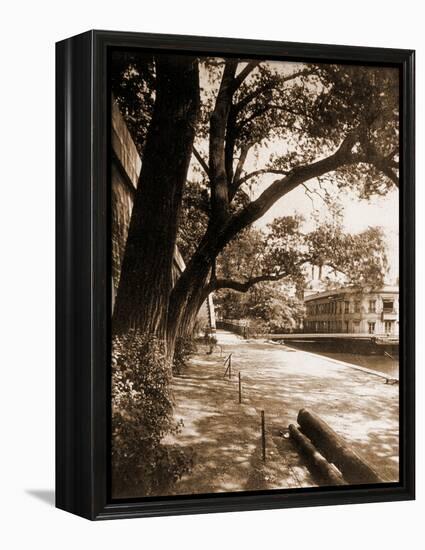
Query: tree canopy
[[263, 129]]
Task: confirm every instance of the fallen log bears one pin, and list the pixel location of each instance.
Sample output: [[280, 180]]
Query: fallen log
[[353, 467], [327, 471]]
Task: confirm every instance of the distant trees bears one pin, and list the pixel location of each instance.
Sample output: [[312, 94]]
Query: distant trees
[[267, 269]]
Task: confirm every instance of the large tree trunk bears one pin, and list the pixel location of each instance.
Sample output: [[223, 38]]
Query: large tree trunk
[[146, 275], [191, 289], [187, 298]]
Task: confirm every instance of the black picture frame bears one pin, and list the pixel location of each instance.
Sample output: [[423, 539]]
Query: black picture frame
[[83, 289]]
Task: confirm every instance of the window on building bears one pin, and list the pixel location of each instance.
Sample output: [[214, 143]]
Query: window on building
[[356, 327], [388, 306], [357, 306], [372, 306], [371, 328], [388, 327], [346, 307]]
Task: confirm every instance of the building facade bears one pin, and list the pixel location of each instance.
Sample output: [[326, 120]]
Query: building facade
[[353, 311]]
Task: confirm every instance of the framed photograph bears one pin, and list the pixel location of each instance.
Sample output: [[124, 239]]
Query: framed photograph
[[235, 282]]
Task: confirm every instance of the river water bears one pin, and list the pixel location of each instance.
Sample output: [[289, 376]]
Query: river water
[[377, 362]]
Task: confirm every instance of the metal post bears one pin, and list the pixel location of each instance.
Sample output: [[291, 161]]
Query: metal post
[[230, 366], [263, 435], [240, 388]]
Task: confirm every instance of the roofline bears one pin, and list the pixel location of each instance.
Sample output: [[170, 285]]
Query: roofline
[[386, 289]]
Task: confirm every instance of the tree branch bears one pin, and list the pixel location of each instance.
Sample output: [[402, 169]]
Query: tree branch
[[218, 125], [282, 186], [241, 161], [255, 173], [244, 286], [229, 147], [386, 169], [201, 161], [385, 166], [231, 126], [242, 103], [249, 67], [234, 185]]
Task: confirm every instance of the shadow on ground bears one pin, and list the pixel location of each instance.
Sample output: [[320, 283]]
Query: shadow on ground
[[225, 435]]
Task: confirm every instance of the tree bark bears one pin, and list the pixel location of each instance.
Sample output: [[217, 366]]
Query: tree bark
[[187, 296], [146, 275]]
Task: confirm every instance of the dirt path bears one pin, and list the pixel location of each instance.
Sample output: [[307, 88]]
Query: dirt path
[[225, 436]]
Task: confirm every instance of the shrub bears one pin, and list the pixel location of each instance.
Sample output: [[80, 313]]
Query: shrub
[[141, 416], [184, 349]]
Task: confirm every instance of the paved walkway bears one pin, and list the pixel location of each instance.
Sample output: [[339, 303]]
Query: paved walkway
[[225, 436]]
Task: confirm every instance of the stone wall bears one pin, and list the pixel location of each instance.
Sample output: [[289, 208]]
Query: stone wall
[[125, 170]]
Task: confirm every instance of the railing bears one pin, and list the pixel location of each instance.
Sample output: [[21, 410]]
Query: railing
[[234, 325]]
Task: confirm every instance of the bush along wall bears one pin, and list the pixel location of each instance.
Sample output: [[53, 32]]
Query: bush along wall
[[142, 415]]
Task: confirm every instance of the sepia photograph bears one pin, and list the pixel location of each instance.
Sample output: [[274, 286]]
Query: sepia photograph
[[209, 299], [254, 271]]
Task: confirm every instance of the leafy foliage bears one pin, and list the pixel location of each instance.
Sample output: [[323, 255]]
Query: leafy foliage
[[310, 109], [277, 263], [284, 250], [268, 306], [360, 257], [193, 219], [184, 349], [133, 86], [141, 417]]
